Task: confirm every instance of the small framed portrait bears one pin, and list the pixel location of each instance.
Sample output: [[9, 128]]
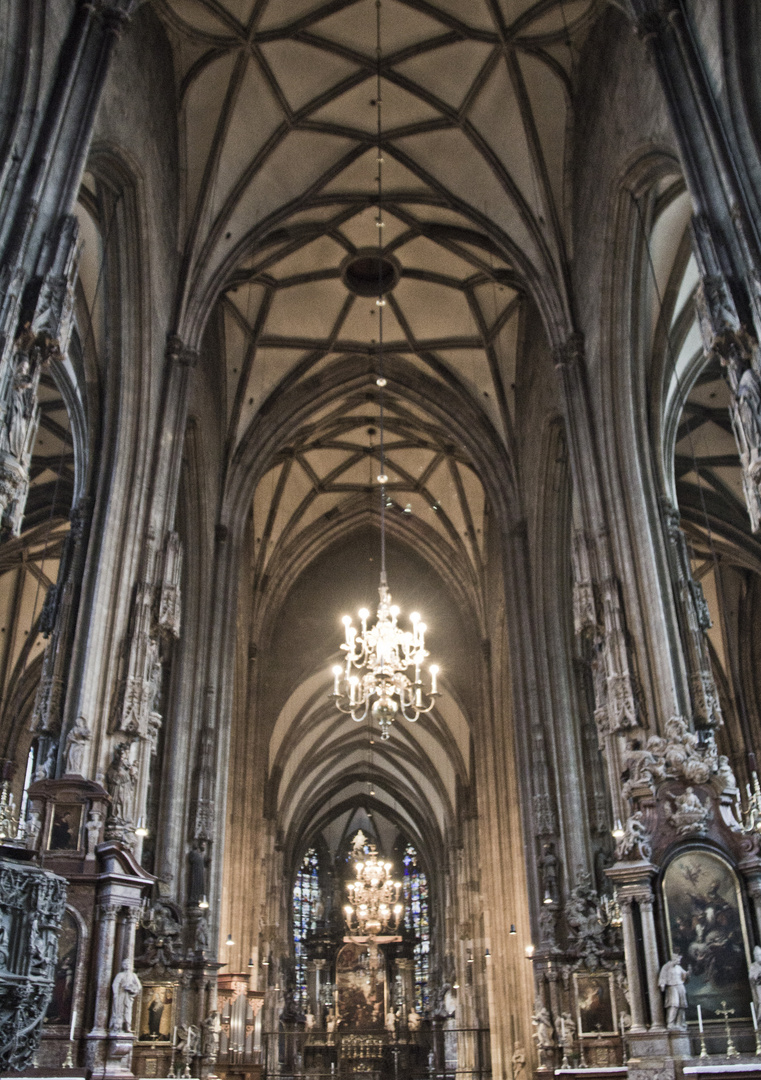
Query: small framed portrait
[[595, 1003], [157, 1013], [65, 827]]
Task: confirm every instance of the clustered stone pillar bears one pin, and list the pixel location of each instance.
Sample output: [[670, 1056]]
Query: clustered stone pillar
[[636, 1003], [652, 967], [106, 937]]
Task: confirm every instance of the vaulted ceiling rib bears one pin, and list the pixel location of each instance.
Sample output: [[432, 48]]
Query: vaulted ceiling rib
[[280, 162]]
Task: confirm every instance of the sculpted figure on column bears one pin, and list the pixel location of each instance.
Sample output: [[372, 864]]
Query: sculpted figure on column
[[121, 778], [671, 981], [124, 990], [545, 1040], [76, 742]]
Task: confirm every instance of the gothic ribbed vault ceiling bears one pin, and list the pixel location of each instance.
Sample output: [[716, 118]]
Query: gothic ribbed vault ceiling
[[279, 164]]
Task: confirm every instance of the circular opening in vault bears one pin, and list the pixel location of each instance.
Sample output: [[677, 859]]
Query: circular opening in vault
[[367, 273]]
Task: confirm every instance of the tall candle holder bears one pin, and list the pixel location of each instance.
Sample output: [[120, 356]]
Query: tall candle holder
[[755, 1029]]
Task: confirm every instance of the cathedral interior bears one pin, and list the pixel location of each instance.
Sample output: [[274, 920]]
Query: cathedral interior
[[306, 305]]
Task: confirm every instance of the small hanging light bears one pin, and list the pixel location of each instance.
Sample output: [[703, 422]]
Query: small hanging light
[[229, 940]]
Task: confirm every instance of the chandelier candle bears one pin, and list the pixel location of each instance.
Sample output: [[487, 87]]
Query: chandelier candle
[[385, 653]]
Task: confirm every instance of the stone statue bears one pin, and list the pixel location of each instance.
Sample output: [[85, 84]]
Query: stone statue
[[202, 934], [22, 403], [545, 1042], [671, 981], [93, 830], [413, 1020], [46, 768], [754, 976], [124, 990], [212, 1027], [390, 1022], [548, 866], [689, 814], [121, 778], [518, 1061], [76, 742], [309, 1021], [197, 872], [32, 829]]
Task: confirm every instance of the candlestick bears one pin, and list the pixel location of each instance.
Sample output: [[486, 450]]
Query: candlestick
[[72, 1025], [622, 1025], [755, 1029], [703, 1050], [726, 1013]]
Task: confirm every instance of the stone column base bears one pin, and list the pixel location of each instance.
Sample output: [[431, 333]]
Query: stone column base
[[110, 1055]]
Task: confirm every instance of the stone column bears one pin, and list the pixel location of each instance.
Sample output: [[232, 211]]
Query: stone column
[[315, 969], [725, 239], [406, 966], [618, 707], [652, 966], [754, 892], [104, 952], [38, 265], [636, 1002]]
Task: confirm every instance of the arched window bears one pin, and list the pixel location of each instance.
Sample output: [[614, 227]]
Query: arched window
[[306, 895], [417, 920]]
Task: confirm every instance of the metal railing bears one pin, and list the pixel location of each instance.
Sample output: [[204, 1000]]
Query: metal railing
[[432, 1053]]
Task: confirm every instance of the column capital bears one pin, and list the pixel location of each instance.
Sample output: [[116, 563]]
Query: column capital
[[570, 354], [178, 352]]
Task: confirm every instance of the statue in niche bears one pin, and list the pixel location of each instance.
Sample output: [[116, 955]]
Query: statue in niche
[[671, 981], [124, 990], [46, 764], [121, 779], [548, 867], [76, 743], [22, 398], [32, 829], [197, 871], [93, 829]]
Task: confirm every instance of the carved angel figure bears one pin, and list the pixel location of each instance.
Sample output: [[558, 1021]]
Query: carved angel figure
[[635, 843]]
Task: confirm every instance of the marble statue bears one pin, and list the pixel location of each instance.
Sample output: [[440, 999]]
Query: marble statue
[[124, 990], [76, 743], [671, 981]]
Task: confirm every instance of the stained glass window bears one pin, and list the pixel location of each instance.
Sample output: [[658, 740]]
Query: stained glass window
[[417, 920], [306, 895]]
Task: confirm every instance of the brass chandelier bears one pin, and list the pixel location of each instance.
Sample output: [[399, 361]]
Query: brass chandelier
[[375, 675], [374, 906]]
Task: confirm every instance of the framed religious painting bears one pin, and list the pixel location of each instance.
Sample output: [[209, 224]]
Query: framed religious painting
[[157, 1019], [65, 827], [595, 1003], [705, 925]]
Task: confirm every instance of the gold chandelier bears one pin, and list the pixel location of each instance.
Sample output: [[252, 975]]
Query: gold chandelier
[[374, 908], [384, 652]]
